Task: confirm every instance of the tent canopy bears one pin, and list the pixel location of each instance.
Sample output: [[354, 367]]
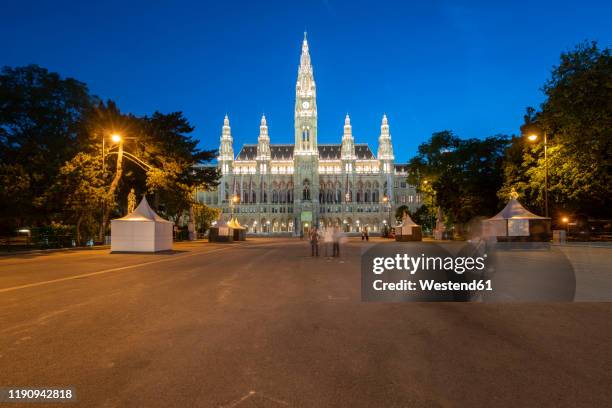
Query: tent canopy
[[222, 224], [407, 221], [143, 213], [233, 223], [515, 211]]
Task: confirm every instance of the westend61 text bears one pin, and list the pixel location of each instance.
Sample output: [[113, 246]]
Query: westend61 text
[[429, 284]]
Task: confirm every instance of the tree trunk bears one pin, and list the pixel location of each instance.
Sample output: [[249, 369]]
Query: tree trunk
[[111, 193], [78, 230]]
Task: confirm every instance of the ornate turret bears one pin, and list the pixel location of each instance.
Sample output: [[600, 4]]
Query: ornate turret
[[348, 143], [226, 150], [226, 157], [263, 142], [385, 148]]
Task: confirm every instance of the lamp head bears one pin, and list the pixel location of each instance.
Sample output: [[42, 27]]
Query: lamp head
[[532, 137], [116, 137]]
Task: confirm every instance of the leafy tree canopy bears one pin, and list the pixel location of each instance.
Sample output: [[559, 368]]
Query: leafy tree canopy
[[577, 120], [461, 176]]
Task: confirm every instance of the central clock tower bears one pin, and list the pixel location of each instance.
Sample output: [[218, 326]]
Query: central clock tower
[[306, 153], [305, 106]]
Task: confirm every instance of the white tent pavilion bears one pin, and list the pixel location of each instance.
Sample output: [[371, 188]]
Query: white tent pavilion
[[141, 231], [221, 232], [515, 222], [408, 230]]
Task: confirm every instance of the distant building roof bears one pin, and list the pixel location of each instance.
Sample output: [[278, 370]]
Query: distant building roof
[[363, 152], [248, 152], [285, 152], [329, 151], [281, 151]]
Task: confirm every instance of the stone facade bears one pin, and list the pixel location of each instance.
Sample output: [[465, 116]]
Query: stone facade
[[275, 188]]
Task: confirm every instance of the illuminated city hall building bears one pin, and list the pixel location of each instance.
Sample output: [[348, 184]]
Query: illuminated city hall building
[[289, 188]]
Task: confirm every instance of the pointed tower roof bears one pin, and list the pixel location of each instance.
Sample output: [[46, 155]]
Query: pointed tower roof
[[385, 148], [263, 141], [226, 130], [226, 149], [305, 62], [348, 144], [263, 128]]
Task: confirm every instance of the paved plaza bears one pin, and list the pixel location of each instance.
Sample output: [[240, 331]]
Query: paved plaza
[[262, 324]]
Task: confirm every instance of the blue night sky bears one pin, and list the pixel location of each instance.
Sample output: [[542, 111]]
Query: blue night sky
[[471, 67]]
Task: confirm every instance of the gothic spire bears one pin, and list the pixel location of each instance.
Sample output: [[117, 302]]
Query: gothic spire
[[385, 149], [348, 144], [226, 150], [263, 142]]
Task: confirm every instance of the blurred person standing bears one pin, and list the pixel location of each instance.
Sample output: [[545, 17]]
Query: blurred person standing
[[336, 237], [314, 241], [328, 238]]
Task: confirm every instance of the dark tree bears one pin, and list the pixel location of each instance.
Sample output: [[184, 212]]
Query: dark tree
[[460, 176], [40, 123], [577, 118]]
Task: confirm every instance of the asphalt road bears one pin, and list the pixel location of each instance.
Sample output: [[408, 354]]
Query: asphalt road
[[262, 324]]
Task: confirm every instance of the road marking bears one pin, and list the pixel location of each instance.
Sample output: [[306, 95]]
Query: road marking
[[121, 268]]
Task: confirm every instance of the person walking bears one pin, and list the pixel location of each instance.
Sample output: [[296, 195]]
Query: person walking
[[327, 239], [336, 236], [363, 233], [314, 241], [367, 234]]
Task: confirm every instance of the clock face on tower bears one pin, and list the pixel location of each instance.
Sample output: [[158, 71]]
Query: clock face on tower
[[305, 104]]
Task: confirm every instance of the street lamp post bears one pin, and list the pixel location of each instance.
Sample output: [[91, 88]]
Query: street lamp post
[[388, 209], [233, 201], [116, 138], [533, 138]]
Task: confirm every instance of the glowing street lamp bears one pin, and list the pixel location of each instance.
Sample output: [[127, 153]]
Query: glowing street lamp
[[116, 137], [387, 205], [533, 138], [233, 202]]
